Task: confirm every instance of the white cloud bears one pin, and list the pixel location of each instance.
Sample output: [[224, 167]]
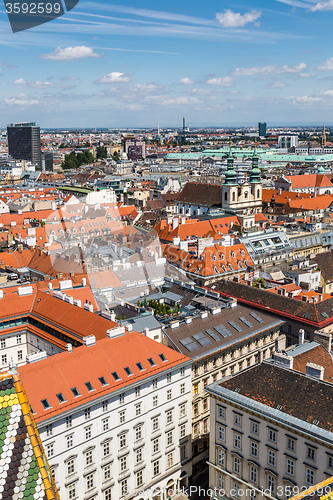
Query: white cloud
[[70, 53], [327, 93], [278, 85], [229, 19], [21, 100], [227, 81], [114, 77], [269, 70], [41, 85], [323, 6], [186, 81], [327, 65], [164, 100], [19, 81]]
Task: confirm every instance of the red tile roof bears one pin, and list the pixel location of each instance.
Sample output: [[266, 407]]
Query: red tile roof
[[59, 373]]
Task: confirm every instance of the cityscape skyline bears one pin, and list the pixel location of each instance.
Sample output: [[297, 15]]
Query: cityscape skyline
[[217, 64]]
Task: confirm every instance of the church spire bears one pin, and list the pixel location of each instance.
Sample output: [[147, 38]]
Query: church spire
[[255, 172], [230, 175]]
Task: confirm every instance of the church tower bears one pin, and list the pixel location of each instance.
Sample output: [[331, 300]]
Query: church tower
[[230, 186], [255, 182]]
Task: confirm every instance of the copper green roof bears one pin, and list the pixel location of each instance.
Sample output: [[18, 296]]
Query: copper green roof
[[24, 471]]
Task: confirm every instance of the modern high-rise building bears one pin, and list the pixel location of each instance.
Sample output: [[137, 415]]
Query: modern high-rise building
[[24, 142], [134, 148], [47, 161], [262, 129]]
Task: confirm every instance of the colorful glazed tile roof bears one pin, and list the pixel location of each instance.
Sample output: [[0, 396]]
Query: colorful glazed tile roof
[[24, 471], [320, 491]]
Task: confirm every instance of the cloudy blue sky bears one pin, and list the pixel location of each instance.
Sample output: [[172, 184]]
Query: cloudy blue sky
[[140, 63]]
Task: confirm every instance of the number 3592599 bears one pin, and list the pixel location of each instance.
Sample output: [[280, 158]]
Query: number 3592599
[[33, 8]]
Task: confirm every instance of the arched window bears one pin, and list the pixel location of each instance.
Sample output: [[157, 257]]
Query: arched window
[[225, 196], [233, 196], [258, 193], [246, 195]]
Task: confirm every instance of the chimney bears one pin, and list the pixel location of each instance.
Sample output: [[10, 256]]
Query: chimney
[[183, 220], [89, 340], [69, 347], [84, 281], [115, 332], [175, 223], [316, 371], [37, 356], [284, 360], [279, 191], [50, 286], [301, 336], [324, 339], [146, 332], [77, 303]]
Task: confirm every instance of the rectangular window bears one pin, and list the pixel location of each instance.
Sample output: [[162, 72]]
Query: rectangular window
[[88, 433], [4, 359], [309, 476], [236, 465], [253, 474], [290, 467], [105, 424], [169, 378], [138, 455], [196, 409], [155, 383], [72, 491], [2, 343], [221, 412], [182, 410], [124, 487], [122, 441], [121, 398], [220, 456], [122, 416], [139, 478], [138, 409], [271, 458], [237, 441], [107, 474], [182, 431], [330, 462], [169, 417], [221, 433], [137, 392], [182, 388], [272, 435], [155, 424], [254, 449], [182, 371], [49, 450], [69, 441], [71, 466], [19, 339], [291, 444], [19, 355], [106, 449], [169, 395], [87, 413], [270, 482], [183, 452], [138, 433], [156, 445], [49, 430], [220, 481], [155, 401], [68, 422], [195, 389], [90, 481], [105, 406], [310, 454], [238, 419], [254, 428], [156, 467], [123, 464], [169, 438], [89, 457], [170, 459]]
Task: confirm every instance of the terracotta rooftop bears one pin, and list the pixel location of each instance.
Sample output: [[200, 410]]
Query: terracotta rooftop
[[61, 372]]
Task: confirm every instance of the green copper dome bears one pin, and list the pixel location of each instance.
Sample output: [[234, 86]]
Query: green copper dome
[[230, 175], [321, 170], [255, 172]]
